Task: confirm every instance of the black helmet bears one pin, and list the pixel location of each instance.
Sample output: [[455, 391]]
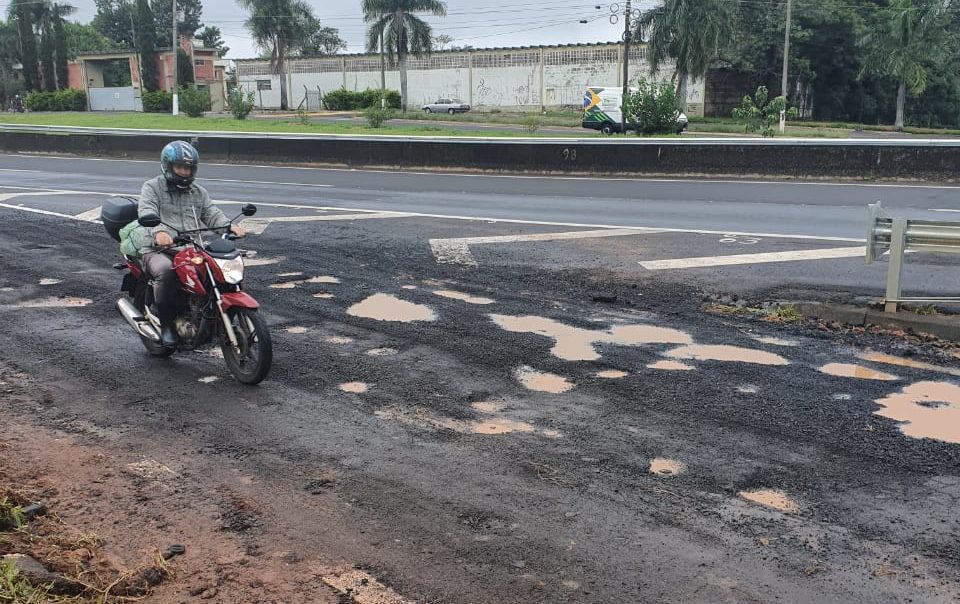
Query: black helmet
[[179, 153]]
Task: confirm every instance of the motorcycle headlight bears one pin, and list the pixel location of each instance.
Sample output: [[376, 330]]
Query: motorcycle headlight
[[232, 269]]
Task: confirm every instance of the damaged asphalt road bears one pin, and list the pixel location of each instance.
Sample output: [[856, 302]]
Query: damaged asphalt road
[[517, 431]]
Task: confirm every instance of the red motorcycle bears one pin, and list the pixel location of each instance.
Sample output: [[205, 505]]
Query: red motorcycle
[[212, 305]]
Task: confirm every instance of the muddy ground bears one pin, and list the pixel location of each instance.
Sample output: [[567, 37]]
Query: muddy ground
[[642, 469]]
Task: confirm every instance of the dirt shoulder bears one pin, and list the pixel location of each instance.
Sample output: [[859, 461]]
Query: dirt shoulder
[[112, 514]]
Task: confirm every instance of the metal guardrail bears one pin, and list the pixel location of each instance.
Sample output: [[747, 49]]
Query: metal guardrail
[[901, 235]]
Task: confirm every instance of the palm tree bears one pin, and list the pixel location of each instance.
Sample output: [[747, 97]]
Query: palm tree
[[910, 39], [22, 12], [403, 32], [689, 31], [280, 27]]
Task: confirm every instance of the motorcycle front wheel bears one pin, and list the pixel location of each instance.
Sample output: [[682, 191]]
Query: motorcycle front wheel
[[250, 360]]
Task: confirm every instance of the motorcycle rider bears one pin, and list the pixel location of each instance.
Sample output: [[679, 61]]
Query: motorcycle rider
[[17, 103], [181, 205]]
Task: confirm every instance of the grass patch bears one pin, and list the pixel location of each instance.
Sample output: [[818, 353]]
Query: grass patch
[[15, 588], [11, 517], [147, 121], [787, 313]]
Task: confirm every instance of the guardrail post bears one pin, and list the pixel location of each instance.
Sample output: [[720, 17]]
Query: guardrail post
[[898, 238]]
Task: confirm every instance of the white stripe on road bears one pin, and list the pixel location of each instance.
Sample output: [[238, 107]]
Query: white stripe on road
[[258, 225], [34, 211], [457, 251], [822, 254]]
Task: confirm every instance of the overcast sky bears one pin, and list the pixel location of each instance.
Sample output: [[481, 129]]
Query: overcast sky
[[478, 23]]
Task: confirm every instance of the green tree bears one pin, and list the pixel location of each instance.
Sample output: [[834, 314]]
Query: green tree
[[211, 39], [145, 45], [189, 13], [403, 32], [115, 20], [82, 37], [47, 53], [321, 40], [22, 11], [184, 68], [60, 44], [280, 28], [691, 32], [908, 41]]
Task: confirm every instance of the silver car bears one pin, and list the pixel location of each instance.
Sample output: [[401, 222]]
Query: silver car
[[450, 106]]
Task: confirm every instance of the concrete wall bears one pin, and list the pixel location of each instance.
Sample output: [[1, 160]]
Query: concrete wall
[[849, 159], [520, 79]]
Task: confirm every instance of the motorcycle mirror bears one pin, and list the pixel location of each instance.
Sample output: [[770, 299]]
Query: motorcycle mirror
[[149, 220], [249, 209]]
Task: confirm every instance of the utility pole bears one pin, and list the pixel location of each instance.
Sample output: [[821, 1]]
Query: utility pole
[[383, 75], [626, 68], [786, 60], [175, 61]]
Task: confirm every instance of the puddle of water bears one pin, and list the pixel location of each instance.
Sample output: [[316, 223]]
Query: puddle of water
[[576, 344], [747, 389], [447, 293], [886, 359], [842, 396], [670, 366], [354, 387], [323, 279], [296, 329], [541, 381], [856, 371], [771, 498], [425, 419], [337, 339], [722, 352], [323, 296], [927, 410], [286, 285], [661, 466], [488, 406], [68, 302], [612, 374], [384, 307], [208, 379], [552, 433], [293, 274], [409, 287], [50, 281], [382, 352]]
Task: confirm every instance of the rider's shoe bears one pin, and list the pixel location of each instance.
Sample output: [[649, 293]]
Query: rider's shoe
[[168, 337]]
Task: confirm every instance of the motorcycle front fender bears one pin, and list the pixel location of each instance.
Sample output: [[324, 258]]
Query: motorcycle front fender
[[238, 299]]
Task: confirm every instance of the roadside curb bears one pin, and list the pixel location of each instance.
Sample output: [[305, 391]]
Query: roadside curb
[[945, 327]]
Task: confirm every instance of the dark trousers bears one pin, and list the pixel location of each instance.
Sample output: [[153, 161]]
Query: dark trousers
[[159, 266]]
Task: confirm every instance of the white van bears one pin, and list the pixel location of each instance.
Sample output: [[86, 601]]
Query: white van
[[602, 110]]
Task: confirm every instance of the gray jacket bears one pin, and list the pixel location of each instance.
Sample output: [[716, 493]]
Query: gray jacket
[[176, 208]]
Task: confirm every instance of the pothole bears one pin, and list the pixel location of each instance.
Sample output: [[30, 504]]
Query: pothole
[[925, 410], [47, 281], [297, 329], [771, 498], [722, 352], [670, 366], [860, 372], [661, 466], [66, 302], [447, 293], [354, 387], [612, 374], [541, 381], [337, 339], [384, 307], [381, 352]]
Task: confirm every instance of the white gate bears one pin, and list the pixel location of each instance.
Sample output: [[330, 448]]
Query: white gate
[[114, 99]]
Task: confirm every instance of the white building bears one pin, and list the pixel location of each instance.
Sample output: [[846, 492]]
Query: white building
[[510, 79]]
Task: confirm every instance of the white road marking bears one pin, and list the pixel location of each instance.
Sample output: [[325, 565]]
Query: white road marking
[[942, 210], [258, 225], [89, 216], [34, 211], [265, 182], [457, 251], [822, 254]]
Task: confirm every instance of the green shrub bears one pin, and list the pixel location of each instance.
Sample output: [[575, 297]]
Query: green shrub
[[240, 104], [652, 109], [532, 122], [339, 100], [194, 101], [59, 100], [160, 101], [760, 113], [346, 100], [377, 116]]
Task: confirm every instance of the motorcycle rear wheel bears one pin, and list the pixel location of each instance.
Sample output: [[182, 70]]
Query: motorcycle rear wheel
[[251, 363]]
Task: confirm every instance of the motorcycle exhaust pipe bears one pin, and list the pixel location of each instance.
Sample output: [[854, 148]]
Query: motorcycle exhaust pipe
[[136, 320]]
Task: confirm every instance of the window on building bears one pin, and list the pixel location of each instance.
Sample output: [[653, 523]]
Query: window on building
[[264, 85], [198, 62]]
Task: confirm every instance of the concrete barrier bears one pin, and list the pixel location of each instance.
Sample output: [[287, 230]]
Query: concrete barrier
[[930, 160]]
